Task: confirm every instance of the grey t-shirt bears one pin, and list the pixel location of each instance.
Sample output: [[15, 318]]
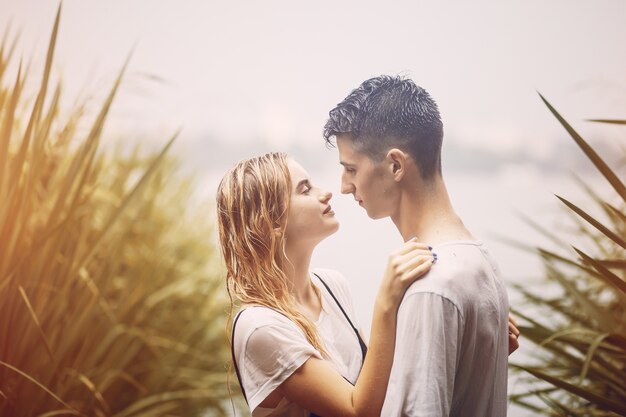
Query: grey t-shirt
[[452, 342]]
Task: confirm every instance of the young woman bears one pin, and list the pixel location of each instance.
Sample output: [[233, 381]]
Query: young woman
[[296, 347]]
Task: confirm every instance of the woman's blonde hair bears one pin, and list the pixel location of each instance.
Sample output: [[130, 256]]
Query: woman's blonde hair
[[252, 205]]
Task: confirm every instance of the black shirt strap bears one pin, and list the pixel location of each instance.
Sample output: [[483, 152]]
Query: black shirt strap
[[358, 334], [232, 352]]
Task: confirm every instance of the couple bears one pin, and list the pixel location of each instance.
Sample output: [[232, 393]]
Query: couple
[[440, 336]]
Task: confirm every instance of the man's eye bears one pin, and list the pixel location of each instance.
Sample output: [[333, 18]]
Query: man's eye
[[350, 170]]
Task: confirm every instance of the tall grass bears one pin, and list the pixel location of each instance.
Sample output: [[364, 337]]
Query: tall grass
[[110, 304], [579, 366]]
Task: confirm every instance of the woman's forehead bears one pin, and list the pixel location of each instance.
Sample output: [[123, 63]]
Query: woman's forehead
[[296, 171]]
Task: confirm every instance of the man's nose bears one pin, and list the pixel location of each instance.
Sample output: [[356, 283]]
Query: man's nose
[[347, 187]]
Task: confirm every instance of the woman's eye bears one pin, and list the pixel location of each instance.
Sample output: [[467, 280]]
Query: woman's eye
[[306, 190]]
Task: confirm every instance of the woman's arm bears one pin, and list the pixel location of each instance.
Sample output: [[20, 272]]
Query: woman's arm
[[318, 387]]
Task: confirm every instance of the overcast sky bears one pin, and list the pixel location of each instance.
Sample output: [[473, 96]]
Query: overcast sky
[[243, 78]]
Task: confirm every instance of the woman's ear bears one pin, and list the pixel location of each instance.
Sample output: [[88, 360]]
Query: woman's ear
[[397, 163]]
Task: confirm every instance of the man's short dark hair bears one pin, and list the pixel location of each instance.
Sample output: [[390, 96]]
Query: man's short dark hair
[[390, 112]]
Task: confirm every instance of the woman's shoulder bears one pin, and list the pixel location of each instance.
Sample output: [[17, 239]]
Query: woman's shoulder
[[337, 284], [260, 330], [334, 279], [254, 317]]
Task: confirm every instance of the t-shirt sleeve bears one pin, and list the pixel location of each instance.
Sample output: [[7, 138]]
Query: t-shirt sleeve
[[429, 335], [272, 353]]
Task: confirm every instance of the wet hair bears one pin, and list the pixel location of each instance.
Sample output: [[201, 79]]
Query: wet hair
[[252, 205], [387, 112]]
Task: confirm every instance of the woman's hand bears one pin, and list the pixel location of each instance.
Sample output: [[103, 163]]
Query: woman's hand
[[405, 265], [513, 335]]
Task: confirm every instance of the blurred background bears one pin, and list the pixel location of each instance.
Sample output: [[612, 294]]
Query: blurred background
[[240, 79]]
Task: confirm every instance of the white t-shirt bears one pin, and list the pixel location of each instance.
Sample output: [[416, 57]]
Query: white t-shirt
[[452, 341], [269, 347]]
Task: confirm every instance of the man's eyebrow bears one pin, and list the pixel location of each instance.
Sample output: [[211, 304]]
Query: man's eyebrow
[[345, 164]]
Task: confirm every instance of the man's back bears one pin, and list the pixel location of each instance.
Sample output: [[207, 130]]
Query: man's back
[[452, 341]]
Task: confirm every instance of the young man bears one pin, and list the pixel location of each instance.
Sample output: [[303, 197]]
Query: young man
[[453, 336]]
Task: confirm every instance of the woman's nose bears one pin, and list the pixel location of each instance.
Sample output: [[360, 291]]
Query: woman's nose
[[325, 196]]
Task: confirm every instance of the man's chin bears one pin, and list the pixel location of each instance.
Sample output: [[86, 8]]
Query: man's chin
[[375, 216]]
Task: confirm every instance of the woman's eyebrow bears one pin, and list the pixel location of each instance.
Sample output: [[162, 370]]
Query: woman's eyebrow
[[303, 183]]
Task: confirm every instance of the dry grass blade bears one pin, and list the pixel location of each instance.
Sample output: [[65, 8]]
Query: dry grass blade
[[544, 231], [140, 184], [582, 301], [592, 350], [37, 324], [38, 384], [596, 398], [591, 153], [81, 166], [7, 121], [607, 232], [110, 298], [609, 121], [9, 51], [612, 279], [154, 400], [62, 412], [582, 351]]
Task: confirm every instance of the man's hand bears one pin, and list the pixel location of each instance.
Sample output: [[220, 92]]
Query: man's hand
[[513, 335]]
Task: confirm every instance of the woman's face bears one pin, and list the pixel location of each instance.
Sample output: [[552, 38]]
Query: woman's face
[[310, 216]]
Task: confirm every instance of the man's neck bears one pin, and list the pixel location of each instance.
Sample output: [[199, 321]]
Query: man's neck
[[428, 215]]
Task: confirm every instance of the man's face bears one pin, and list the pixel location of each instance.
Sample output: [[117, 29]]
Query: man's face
[[371, 183]]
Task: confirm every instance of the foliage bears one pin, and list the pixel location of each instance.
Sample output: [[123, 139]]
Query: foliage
[[579, 366], [110, 301]]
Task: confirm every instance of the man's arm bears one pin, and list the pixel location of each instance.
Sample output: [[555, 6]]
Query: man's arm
[[428, 340]]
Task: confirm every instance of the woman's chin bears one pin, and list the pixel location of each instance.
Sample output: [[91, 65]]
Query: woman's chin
[[334, 229]]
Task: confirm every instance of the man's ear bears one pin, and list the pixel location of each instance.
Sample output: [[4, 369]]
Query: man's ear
[[397, 163]]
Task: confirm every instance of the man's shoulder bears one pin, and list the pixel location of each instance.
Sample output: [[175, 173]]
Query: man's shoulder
[[457, 273]]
